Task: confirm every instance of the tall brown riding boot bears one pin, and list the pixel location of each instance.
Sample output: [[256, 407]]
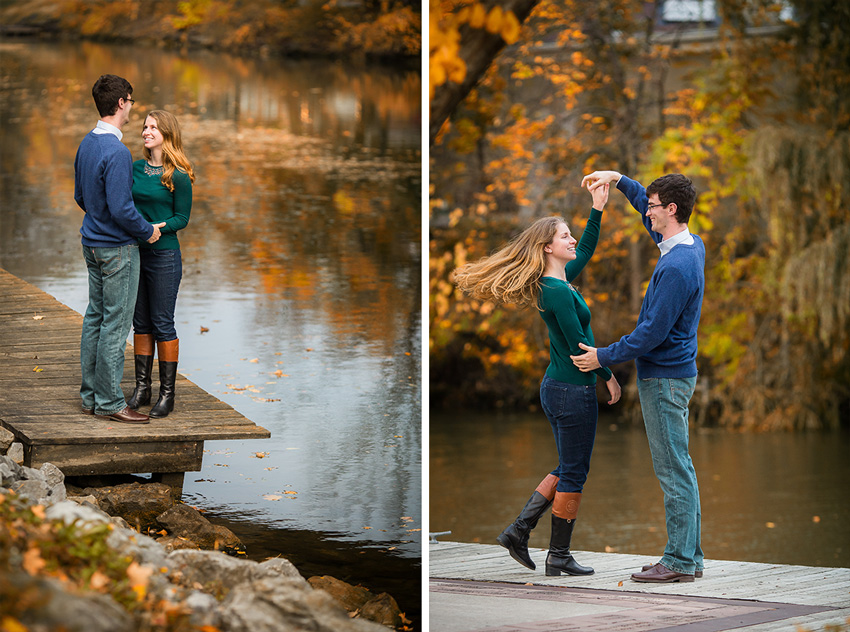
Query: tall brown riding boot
[[560, 560], [168, 352], [143, 352], [515, 537]]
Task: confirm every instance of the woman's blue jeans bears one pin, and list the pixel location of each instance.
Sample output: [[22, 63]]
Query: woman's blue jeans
[[572, 410], [158, 284], [113, 282], [664, 402]]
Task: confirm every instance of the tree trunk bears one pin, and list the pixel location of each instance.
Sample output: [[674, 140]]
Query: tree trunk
[[478, 48]]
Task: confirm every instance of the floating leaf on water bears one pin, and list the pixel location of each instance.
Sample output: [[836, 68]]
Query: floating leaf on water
[[255, 360], [272, 497], [204, 329], [279, 373], [259, 455]]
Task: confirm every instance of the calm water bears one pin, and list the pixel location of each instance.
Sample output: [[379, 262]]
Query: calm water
[[777, 498], [302, 260]]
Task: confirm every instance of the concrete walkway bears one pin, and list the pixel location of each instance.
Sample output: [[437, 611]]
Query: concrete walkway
[[475, 587]]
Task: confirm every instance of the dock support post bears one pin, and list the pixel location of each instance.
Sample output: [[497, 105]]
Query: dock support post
[[173, 479]]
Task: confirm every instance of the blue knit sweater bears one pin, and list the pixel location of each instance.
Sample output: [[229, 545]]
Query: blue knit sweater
[[103, 183], [664, 342]]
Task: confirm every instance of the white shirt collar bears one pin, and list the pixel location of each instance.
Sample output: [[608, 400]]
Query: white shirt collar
[[684, 237], [105, 128]]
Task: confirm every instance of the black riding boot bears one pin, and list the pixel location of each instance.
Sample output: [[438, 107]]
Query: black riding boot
[[515, 537], [560, 560], [167, 377], [143, 353]]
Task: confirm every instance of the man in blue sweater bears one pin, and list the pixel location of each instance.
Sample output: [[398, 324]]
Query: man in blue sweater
[[664, 347], [111, 229]]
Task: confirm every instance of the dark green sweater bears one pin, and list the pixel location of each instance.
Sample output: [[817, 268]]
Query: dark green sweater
[[158, 204], [567, 315]]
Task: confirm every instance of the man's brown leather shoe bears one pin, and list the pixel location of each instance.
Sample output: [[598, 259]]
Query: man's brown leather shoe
[[697, 574], [660, 574], [87, 411], [127, 416]]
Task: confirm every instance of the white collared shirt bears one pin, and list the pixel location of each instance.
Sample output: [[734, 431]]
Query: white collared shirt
[[684, 237], [103, 127]]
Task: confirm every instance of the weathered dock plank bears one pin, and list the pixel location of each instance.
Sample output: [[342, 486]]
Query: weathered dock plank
[[479, 587], [40, 404]]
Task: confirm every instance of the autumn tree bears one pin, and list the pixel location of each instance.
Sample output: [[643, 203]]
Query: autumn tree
[[760, 123]]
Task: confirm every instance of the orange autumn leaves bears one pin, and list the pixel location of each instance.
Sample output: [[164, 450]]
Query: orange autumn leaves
[[78, 557], [446, 63]]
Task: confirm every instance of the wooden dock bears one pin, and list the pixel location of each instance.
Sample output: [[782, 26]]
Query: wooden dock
[[40, 401], [479, 587]]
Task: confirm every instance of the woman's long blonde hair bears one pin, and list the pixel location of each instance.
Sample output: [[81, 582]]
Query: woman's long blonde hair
[[172, 148], [512, 273]]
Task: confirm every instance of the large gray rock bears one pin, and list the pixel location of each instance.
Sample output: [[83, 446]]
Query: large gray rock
[[52, 474], [35, 491], [185, 522], [383, 609], [140, 547], [10, 470], [222, 573], [70, 512], [271, 605], [138, 503], [16, 452], [349, 597], [6, 439]]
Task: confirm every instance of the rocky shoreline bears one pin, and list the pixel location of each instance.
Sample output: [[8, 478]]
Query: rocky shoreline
[[150, 562]]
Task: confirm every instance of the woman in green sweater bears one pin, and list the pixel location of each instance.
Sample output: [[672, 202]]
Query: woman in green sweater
[[162, 193], [537, 268]]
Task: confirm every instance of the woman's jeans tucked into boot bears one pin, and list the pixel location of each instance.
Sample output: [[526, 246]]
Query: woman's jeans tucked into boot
[[572, 410], [664, 403]]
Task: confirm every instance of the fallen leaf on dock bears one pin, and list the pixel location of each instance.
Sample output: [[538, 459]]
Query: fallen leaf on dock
[[37, 370], [37, 317], [620, 584], [272, 497], [815, 518], [770, 525]]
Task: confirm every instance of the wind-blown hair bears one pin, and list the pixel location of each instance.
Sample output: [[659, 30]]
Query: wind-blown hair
[[172, 148], [512, 273]]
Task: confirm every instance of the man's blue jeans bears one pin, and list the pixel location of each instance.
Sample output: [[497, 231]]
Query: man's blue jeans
[[113, 283], [664, 402]]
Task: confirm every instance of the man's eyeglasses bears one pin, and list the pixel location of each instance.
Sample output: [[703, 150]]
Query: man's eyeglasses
[[652, 206], [130, 100]]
